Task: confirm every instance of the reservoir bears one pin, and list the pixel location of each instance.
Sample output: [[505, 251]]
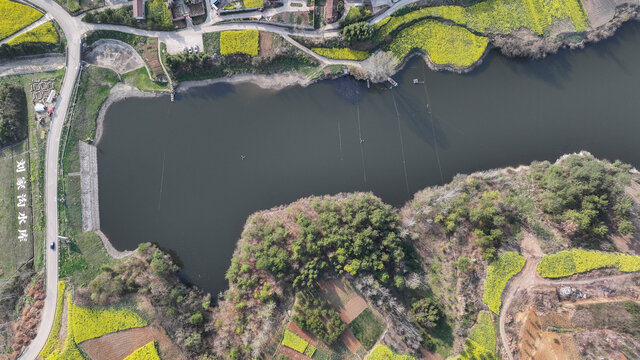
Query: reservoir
[[187, 174]]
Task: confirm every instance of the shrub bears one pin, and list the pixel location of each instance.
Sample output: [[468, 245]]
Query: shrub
[[445, 44], [15, 16], [45, 33], [355, 14], [570, 262], [381, 352], [121, 16], [147, 352], [499, 272], [239, 42], [88, 323], [341, 53], [426, 312], [294, 341]]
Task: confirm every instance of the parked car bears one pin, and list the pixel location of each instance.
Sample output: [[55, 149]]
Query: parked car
[[196, 49], [185, 49], [190, 50], [52, 245]]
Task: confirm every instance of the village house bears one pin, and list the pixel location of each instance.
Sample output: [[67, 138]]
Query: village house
[[138, 9]]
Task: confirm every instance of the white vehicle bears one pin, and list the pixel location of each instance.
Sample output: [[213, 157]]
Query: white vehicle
[[196, 49], [190, 50]]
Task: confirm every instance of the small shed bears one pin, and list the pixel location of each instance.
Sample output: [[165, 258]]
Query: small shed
[[39, 108], [52, 94], [138, 9], [330, 14]]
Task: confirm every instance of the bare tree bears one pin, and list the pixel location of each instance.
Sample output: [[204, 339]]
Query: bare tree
[[378, 67]]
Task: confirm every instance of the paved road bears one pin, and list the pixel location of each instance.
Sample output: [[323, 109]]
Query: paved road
[[73, 36]]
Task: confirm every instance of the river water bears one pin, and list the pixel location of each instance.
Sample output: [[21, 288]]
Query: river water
[[187, 174]]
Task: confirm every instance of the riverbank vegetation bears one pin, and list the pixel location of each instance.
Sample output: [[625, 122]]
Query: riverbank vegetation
[[445, 44]]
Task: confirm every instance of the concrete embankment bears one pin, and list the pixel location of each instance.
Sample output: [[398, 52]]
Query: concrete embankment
[[90, 199]]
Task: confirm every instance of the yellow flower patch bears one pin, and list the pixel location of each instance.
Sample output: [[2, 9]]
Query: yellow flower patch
[[87, 323], [147, 352], [15, 17], [45, 33], [445, 44], [570, 262], [341, 53], [239, 42]]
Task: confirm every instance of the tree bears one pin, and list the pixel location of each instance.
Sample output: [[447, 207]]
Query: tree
[[359, 31], [158, 15], [196, 319], [425, 312]]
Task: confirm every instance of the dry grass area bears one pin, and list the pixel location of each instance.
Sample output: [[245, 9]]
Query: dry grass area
[[119, 345], [538, 344]]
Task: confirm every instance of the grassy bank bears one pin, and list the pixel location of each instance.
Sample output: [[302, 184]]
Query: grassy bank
[[83, 254]]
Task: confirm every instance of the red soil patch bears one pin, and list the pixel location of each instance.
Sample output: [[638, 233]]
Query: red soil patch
[[119, 345], [27, 326], [543, 345], [350, 341], [352, 309], [266, 44], [291, 354], [309, 337]]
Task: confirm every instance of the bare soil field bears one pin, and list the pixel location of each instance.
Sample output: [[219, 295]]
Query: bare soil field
[[350, 341], [119, 345], [115, 55], [291, 354]]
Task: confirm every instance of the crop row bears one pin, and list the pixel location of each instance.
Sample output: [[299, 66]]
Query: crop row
[[15, 17], [341, 53], [147, 352], [499, 272], [45, 33], [569, 262], [239, 42]]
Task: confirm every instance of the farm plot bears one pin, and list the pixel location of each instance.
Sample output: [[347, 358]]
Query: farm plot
[[341, 53], [89, 323], [367, 328], [15, 17]]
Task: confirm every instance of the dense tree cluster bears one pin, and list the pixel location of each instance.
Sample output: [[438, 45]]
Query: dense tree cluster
[[581, 192], [314, 314], [158, 15], [487, 214], [120, 16], [426, 312], [354, 235], [13, 114], [360, 31]]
